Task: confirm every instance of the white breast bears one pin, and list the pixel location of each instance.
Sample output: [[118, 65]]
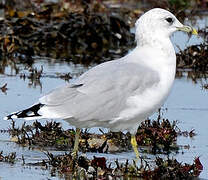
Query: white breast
[[141, 105]]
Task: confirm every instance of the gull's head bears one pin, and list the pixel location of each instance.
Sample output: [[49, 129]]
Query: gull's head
[[158, 23]]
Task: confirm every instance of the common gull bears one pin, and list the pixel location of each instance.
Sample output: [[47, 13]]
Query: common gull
[[122, 93]]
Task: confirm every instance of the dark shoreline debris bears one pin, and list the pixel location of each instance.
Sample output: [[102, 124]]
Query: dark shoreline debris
[[33, 76], [83, 36], [97, 168], [4, 88], [10, 158], [205, 86], [79, 37], [158, 135], [194, 57], [190, 133], [52, 135]]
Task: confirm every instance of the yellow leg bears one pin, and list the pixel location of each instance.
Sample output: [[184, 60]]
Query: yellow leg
[[76, 143], [134, 145]]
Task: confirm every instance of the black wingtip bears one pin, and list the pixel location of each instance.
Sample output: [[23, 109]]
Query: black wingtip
[[8, 117], [27, 113]]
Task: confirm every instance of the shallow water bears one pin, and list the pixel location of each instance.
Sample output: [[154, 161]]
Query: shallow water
[[187, 103]]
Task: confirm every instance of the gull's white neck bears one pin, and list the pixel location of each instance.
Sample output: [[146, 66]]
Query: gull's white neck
[[155, 47], [158, 42], [160, 57]]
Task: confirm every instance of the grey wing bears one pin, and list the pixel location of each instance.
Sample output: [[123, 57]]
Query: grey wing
[[99, 94]]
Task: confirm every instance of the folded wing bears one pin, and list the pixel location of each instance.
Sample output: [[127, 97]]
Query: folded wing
[[99, 94]]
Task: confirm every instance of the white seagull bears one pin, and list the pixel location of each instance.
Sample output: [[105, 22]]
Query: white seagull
[[122, 93]]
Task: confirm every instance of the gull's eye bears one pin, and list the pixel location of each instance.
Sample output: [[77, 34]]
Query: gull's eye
[[169, 20]]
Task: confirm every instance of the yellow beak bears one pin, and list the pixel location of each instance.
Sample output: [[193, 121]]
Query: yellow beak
[[188, 29]]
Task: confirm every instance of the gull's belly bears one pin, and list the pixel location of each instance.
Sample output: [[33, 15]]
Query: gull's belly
[[153, 98], [140, 106], [143, 105]]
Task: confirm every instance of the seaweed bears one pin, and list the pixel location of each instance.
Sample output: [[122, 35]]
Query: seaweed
[[158, 135], [80, 37], [10, 158], [97, 168], [194, 57]]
